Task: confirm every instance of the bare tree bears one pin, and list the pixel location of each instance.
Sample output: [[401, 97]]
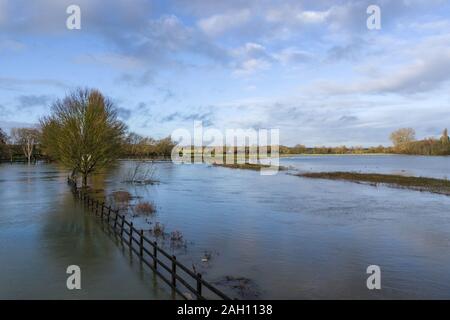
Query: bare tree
[[3, 137], [27, 138], [402, 137], [134, 140], [83, 132], [3, 143], [141, 172]]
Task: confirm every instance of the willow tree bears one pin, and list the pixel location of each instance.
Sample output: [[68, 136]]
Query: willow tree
[[83, 132]]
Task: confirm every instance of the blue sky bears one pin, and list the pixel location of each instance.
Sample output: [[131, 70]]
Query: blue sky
[[309, 68]]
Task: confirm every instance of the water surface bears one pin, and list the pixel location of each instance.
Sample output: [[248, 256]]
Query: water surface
[[301, 238], [288, 237], [43, 231]]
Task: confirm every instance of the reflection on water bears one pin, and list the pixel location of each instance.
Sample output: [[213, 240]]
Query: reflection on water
[[436, 167], [43, 231], [283, 236], [301, 238]]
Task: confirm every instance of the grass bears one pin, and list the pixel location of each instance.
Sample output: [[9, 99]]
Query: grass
[[122, 196], [245, 166], [145, 208], [158, 229], [439, 186]]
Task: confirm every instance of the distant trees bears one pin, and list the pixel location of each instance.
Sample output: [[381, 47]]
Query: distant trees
[[3, 144], [3, 137], [137, 146], [83, 132], [27, 139], [298, 149], [402, 137], [133, 142], [404, 142], [444, 138]]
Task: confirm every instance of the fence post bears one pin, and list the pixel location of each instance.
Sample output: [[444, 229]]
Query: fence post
[[121, 228], [174, 271], [199, 286], [115, 220], [109, 214], [141, 244], [96, 207], [155, 255], [101, 215], [131, 236]]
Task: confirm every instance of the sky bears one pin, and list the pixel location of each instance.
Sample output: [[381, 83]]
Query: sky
[[312, 69]]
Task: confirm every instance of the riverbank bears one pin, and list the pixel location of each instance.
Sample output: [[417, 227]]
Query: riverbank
[[289, 155], [246, 166], [439, 186]]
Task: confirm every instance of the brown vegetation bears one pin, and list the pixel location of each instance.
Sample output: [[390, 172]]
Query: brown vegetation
[[433, 185], [158, 229], [145, 208], [121, 196], [246, 166]]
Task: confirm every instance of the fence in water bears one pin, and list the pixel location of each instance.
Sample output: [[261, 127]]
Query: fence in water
[[166, 266]]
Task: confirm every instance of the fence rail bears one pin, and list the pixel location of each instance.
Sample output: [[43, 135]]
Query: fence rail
[[163, 264]]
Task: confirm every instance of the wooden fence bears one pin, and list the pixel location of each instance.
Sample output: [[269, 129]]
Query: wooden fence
[[166, 266]]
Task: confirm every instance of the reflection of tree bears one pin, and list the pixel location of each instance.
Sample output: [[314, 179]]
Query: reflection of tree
[[70, 231]]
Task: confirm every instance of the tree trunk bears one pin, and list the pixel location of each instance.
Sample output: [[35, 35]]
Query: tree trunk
[[84, 180]]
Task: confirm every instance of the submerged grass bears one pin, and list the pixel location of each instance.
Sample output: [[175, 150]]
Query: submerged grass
[[440, 186], [245, 166]]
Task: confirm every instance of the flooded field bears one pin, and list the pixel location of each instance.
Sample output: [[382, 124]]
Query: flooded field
[[43, 231], [253, 236]]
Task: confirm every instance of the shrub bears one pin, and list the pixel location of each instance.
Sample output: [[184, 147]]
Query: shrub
[[158, 229], [145, 208], [176, 236], [122, 196]]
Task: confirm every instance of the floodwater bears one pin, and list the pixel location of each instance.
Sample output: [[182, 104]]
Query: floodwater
[[434, 167], [43, 231], [277, 237]]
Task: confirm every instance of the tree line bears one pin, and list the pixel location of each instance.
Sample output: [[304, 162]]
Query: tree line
[[403, 140], [84, 134]]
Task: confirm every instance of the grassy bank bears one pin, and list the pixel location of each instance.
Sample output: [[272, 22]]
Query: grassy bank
[[245, 166], [433, 185]]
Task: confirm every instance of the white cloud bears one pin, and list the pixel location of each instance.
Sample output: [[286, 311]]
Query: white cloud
[[251, 66], [425, 67], [313, 16], [290, 56], [117, 61], [250, 58], [295, 14], [220, 23]]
